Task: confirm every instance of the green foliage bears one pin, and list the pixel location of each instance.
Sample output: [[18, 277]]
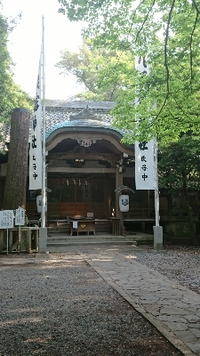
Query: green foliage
[[179, 165], [179, 174], [11, 95], [166, 33], [100, 70]]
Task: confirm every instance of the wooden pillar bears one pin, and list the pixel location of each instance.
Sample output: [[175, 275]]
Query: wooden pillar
[[108, 199], [118, 213]]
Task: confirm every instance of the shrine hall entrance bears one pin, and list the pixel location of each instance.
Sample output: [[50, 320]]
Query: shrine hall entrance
[[77, 195]]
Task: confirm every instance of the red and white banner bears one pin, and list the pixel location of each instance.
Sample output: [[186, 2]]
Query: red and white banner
[[145, 172], [35, 152]]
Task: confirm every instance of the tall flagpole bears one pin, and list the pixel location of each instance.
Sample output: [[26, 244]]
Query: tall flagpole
[[142, 67], [43, 215], [43, 229]]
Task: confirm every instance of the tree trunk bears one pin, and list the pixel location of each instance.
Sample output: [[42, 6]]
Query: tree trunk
[[17, 168]]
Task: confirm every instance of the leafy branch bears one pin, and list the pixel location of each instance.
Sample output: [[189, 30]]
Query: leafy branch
[[166, 48], [190, 46], [196, 7], [145, 20]]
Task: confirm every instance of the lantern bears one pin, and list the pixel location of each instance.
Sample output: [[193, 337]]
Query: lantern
[[39, 204], [124, 203]]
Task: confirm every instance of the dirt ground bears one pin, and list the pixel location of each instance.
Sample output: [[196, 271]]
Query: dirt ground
[[65, 308]]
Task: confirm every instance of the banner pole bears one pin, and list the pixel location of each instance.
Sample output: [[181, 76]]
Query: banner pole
[[157, 229], [43, 217], [156, 192], [43, 229], [7, 242], [142, 67]]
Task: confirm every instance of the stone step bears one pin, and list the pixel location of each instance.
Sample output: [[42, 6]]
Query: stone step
[[62, 239], [100, 242], [87, 239]]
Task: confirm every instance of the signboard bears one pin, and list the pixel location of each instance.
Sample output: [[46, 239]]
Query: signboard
[[20, 216], [145, 165], [6, 219], [75, 224]]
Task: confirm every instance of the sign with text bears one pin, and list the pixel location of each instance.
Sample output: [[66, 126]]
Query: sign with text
[[145, 165], [6, 219], [35, 152], [20, 216]]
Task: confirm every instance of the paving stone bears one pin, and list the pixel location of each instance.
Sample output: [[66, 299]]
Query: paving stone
[[176, 326], [149, 298], [186, 335], [192, 318], [170, 318], [195, 331], [196, 325], [195, 347], [172, 311], [177, 303], [154, 312]]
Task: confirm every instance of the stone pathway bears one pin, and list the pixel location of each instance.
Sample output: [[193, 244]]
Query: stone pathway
[[173, 309]]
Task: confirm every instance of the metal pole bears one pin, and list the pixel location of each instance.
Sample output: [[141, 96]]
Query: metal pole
[[43, 212], [43, 229], [156, 192], [7, 241], [158, 230]]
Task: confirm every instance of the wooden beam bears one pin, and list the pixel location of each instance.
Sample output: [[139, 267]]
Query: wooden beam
[[87, 156], [80, 170]]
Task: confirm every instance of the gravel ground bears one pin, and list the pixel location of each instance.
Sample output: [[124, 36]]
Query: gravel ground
[[179, 263], [64, 307]]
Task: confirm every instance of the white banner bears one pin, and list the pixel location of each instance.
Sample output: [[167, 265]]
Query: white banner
[[35, 153], [145, 174]]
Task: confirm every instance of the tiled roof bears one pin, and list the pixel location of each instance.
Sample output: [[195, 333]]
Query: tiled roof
[[78, 114], [78, 105], [59, 113]]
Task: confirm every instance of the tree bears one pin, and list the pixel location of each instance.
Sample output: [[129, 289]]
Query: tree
[[95, 68], [16, 176], [179, 174], [166, 32], [11, 95]]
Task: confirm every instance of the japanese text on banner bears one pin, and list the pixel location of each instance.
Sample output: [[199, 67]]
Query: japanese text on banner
[[35, 162], [145, 165]]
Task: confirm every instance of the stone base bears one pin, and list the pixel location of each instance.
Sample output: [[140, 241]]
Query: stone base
[[42, 240], [158, 238]]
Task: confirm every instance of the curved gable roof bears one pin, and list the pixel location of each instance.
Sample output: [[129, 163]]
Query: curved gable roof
[[78, 114], [93, 117]]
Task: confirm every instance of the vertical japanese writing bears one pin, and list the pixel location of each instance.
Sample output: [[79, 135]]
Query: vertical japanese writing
[[144, 165], [19, 216], [6, 219], [35, 165], [143, 146]]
